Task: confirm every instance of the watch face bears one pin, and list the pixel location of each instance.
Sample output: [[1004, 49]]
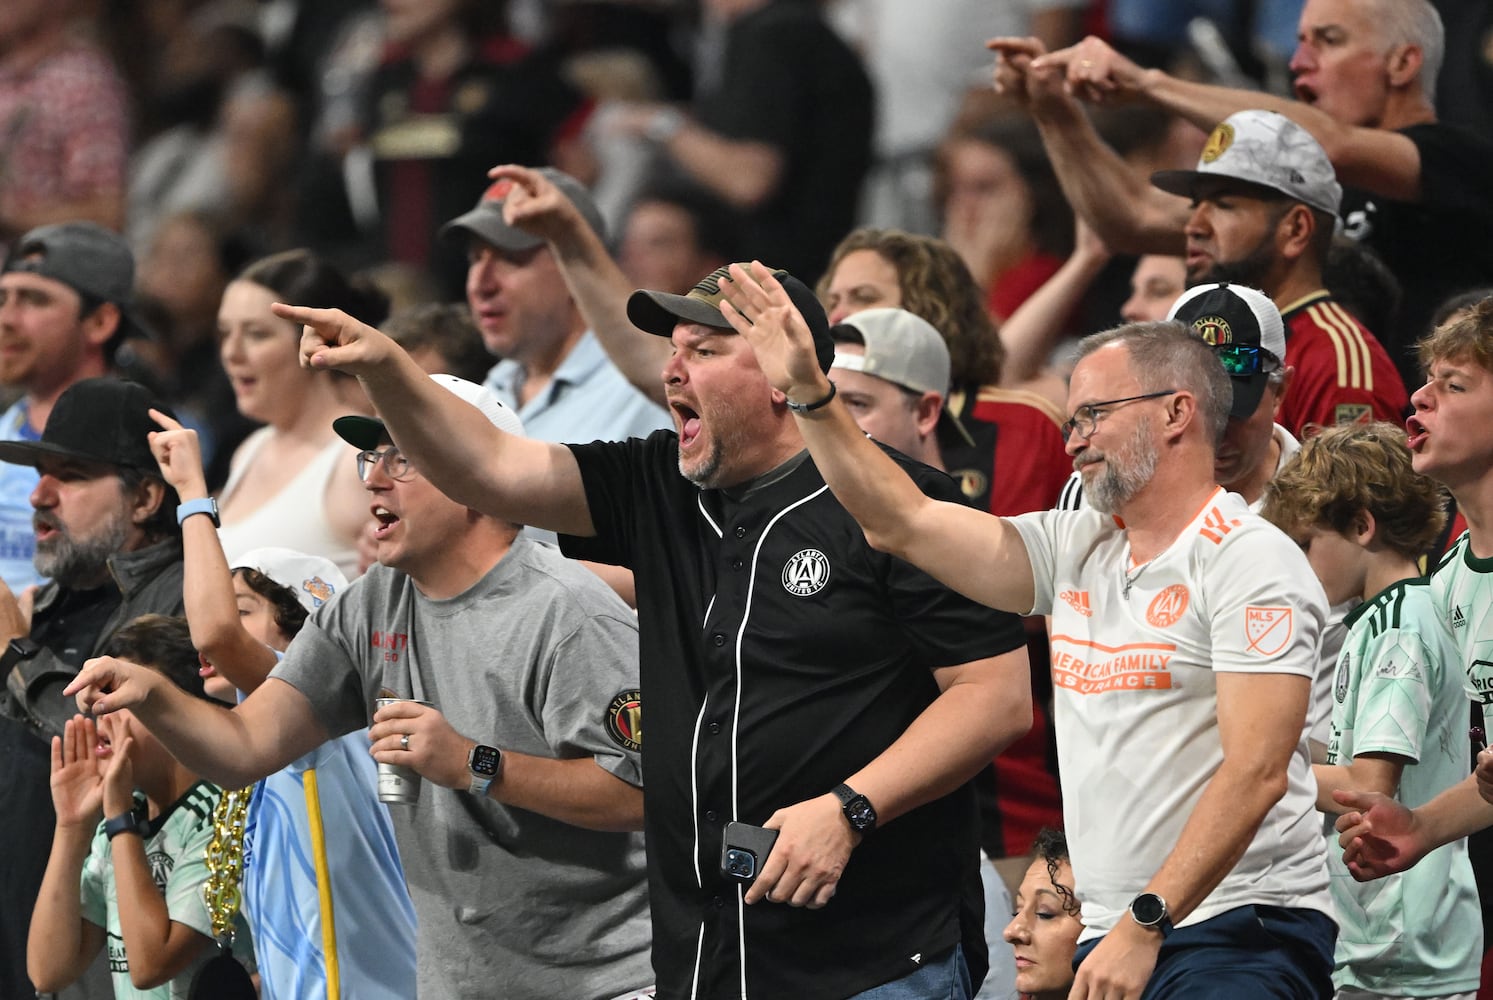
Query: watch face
[[1148, 909], [485, 760], [860, 813]]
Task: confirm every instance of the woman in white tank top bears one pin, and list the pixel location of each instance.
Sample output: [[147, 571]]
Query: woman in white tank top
[[293, 482]]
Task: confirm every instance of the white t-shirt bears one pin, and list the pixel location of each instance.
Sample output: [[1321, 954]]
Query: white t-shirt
[[1134, 650]]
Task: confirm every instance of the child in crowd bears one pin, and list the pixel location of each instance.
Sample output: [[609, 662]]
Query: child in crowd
[[142, 870], [1352, 501], [326, 923], [1044, 930]]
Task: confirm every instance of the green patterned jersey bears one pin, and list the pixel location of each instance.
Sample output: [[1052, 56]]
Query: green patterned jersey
[[1398, 691], [1463, 589], [176, 849]]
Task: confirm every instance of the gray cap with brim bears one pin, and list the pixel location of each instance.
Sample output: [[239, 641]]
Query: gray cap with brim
[[485, 220]]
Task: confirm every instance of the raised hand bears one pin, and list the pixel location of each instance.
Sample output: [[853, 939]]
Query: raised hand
[[107, 684], [1013, 60], [77, 779], [758, 307], [1093, 70], [330, 338], [534, 204], [179, 456], [119, 776], [1023, 71]]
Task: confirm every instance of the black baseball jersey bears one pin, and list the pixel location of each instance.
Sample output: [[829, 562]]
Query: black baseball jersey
[[781, 653]]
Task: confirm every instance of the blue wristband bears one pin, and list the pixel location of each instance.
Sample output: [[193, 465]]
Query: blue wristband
[[202, 505]]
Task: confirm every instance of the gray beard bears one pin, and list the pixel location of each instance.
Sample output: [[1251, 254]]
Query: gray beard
[[1126, 472], [82, 564]]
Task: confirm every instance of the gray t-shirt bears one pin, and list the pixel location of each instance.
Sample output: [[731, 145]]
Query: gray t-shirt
[[538, 657]]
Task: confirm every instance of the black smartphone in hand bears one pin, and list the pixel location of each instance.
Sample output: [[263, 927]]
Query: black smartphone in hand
[[744, 851]]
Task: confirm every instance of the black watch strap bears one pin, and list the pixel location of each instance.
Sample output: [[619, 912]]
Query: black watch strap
[[20, 649], [125, 822], [859, 812]]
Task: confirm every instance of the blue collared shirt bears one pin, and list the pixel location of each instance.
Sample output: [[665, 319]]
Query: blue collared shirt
[[588, 399]]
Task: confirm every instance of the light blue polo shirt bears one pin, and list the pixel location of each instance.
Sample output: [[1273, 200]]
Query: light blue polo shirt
[[587, 400]]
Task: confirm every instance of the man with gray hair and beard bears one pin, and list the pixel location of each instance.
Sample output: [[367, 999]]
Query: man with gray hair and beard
[[1184, 637], [108, 538]]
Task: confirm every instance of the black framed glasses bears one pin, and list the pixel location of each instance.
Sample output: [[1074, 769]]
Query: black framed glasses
[[396, 466], [1246, 359], [1085, 419]]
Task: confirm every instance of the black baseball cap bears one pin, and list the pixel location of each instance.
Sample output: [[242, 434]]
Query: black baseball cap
[[1223, 314], [96, 420], [659, 312], [93, 261]]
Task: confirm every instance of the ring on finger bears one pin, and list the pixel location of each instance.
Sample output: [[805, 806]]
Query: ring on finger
[[404, 742]]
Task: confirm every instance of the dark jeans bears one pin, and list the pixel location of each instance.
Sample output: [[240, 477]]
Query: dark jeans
[[942, 978], [1248, 953]]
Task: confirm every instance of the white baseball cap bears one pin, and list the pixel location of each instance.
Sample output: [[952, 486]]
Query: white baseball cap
[[367, 432], [313, 579]]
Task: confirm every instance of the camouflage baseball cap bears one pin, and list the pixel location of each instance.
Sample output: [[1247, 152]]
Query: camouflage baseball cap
[[659, 312], [1264, 148]]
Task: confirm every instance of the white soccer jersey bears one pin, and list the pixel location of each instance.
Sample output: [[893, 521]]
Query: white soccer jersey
[[1134, 651], [1398, 691]]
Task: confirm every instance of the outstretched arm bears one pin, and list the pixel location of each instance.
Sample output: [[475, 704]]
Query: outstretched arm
[[597, 284], [230, 747], [974, 553], [1380, 836], [447, 440], [1377, 160], [1127, 213], [207, 584]]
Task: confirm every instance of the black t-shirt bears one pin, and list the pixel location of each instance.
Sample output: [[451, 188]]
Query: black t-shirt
[[781, 653], [1438, 246], [789, 81]]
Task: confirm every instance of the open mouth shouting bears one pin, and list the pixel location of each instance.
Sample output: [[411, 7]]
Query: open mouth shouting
[[1416, 433], [386, 519], [688, 422]]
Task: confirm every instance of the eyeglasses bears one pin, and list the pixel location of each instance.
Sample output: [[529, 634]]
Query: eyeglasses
[[1246, 359], [396, 466], [1085, 419]]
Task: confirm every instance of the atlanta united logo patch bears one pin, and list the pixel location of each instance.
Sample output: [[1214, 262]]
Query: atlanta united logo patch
[[806, 573], [625, 720]]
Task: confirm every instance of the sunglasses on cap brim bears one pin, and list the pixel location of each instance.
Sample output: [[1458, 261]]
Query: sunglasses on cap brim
[[1246, 359]]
